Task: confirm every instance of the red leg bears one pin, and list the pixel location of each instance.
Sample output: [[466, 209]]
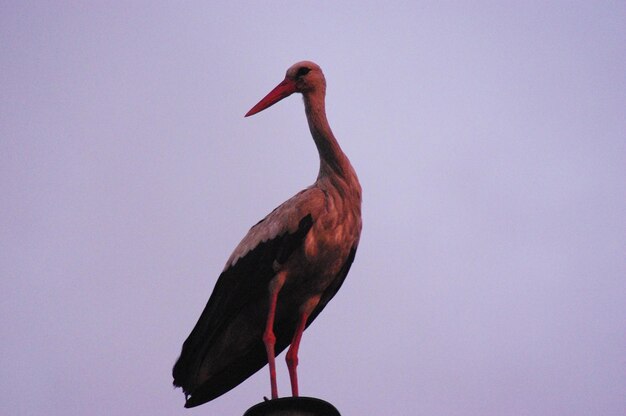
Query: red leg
[[292, 355], [269, 339]]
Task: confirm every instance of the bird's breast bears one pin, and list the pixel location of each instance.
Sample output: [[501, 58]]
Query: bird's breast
[[328, 243], [327, 246]]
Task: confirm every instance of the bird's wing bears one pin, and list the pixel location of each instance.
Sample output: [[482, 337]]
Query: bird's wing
[[245, 278], [285, 219]]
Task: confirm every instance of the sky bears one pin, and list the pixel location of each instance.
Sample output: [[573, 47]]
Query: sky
[[490, 142]]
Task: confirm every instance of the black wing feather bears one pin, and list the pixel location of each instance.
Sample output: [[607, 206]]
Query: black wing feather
[[256, 357], [236, 287]]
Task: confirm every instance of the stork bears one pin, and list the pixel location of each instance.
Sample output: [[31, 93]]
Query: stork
[[284, 271]]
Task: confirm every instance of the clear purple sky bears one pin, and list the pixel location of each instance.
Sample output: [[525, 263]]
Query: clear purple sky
[[490, 139]]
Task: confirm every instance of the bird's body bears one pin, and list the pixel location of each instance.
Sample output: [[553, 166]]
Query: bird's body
[[284, 271]]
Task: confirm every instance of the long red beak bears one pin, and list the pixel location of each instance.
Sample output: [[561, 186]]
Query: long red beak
[[282, 90]]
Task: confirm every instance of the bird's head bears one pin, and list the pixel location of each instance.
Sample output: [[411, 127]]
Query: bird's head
[[305, 77]]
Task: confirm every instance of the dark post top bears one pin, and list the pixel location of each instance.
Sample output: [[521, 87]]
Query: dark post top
[[293, 406]]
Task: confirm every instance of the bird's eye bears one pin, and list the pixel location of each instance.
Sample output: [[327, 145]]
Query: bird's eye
[[303, 71]]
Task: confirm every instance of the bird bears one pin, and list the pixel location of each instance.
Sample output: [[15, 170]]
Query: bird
[[284, 271]]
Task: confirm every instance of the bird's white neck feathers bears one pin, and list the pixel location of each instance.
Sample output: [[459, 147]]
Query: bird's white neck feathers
[[333, 160]]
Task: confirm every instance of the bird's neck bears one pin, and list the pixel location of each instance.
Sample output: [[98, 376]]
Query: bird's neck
[[333, 160]]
